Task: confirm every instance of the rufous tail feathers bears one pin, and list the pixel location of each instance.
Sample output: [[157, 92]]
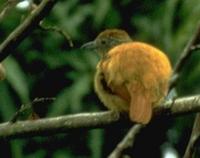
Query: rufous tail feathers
[[140, 106]]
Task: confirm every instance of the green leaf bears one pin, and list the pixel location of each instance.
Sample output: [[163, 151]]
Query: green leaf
[[16, 148], [71, 98], [95, 142], [8, 107], [17, 78]]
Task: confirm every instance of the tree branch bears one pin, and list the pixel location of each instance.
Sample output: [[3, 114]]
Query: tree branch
[[57, 30], [193, 138], [57, 124], [126, 142], [27, 27], [89, 120], [7, 6], [191, 46]]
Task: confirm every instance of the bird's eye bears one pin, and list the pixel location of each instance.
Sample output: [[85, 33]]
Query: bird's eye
[[103, 42]]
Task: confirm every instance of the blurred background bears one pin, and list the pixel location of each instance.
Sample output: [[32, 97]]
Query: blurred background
[[44, 65]]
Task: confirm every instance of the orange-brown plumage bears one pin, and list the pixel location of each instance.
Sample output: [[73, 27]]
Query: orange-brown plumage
[[131, 76]]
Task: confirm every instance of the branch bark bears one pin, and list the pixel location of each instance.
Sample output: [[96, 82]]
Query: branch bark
[[7, 6], [126, 142], [57, 30], [59, 124], [27, 27], [185, 55], [193, 138], [63, 124]]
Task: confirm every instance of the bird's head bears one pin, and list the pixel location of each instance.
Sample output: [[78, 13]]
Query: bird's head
[[106, 40]]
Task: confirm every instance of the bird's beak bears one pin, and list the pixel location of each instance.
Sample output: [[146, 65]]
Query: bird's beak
[[89, 46]]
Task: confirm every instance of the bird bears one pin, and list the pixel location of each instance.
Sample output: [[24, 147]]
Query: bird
[[131, 77]]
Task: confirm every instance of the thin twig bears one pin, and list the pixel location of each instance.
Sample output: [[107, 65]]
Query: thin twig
[[7, 6], [57, 30], [185, 55], [25, 28], [26, 110], [89, 120], [195, 47], [126, 142], [189, 153]]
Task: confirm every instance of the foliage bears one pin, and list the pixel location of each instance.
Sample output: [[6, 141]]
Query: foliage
[[45, 66]]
